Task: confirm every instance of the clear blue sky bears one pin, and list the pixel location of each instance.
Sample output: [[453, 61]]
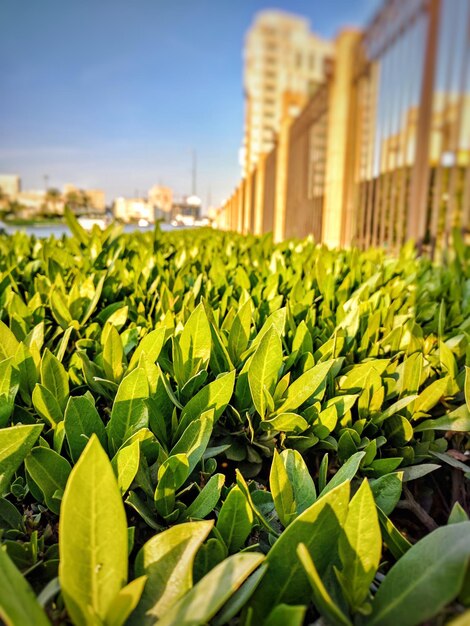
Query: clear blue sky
[[116, 93]]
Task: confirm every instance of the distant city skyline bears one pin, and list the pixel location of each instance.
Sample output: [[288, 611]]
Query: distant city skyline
[[117, 95]]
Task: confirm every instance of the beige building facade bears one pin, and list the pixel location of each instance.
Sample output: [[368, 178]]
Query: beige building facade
[[10, 185], [281, 55], [161, 198]]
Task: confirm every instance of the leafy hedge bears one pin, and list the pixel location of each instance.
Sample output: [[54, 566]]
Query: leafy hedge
[[232, 432]]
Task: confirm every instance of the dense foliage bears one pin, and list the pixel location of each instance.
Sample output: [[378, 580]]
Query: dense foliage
[[199, 427]]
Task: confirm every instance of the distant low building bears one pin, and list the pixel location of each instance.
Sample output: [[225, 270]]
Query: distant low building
[[161, 198], [10, 185], [188, 207], [133, 210]]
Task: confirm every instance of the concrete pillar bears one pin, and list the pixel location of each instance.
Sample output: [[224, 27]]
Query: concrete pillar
[[339, 148], [282, 166], [247, 192], [259, 195]]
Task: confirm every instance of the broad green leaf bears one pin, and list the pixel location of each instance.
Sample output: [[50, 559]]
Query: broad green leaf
[[240, 332], [467, 386], [55, 378], [171, 475], [113, 353], [8, 342], [264, 369], [125, 602], [305, 386], [208, 596], [286, 422], [50, 472], [15, 444], [319, 528], [215, 395], [284, 614], [345, 473], [207, 499], [431, 395], [321, 598], [18, 604], [394, 540], [167, 561], [458, 421], [195, 344], [151, 345], [81, 421], [425, 579], [235, 520], [387, 491], [125, 465], [360, 546], [9, 385], [193, 442], [130, 410], [92, 538], [47, 406], [291, 485]]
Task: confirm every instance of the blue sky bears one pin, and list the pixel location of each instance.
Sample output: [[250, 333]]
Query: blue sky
[[117, 93]]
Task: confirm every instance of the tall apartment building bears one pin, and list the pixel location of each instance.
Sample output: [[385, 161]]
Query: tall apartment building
[[162, 200], [282, 58]]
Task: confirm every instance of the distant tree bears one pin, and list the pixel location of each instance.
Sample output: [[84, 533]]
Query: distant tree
[[52, 199], [77, 201]]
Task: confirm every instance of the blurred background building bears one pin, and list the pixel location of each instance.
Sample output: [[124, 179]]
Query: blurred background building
[[281, 56], [380, 151]]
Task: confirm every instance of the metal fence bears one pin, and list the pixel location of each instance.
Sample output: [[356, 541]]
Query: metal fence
[[381, 152]]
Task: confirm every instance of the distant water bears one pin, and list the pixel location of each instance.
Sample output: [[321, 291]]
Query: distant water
[[46, 230]]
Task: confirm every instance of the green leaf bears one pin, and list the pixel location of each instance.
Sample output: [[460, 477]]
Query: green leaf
[[18, 604], [284, 614], [125, 465], [207, 499], [360, 546], [319, 528], [15, 444], [54, 378], [425, 579], [235, 520], [92, 538], [346, 472], [240, 332], [193, 442], [321, 598], [151, 345], [264, 369], [9, 385], [125, 602], [291, 485], [394, 540], [49, 472], [457, 421], [305, 386], [195, 344], [47, 406], [286, 422], [208, 596], [171, 475], [431, 395], [167, 561], [216, 395], [130, 412], [387, 491], [8, 342], [81, 421], [113, 353]]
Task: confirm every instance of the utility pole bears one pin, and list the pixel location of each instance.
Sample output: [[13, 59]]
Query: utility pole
[[194, 173]]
